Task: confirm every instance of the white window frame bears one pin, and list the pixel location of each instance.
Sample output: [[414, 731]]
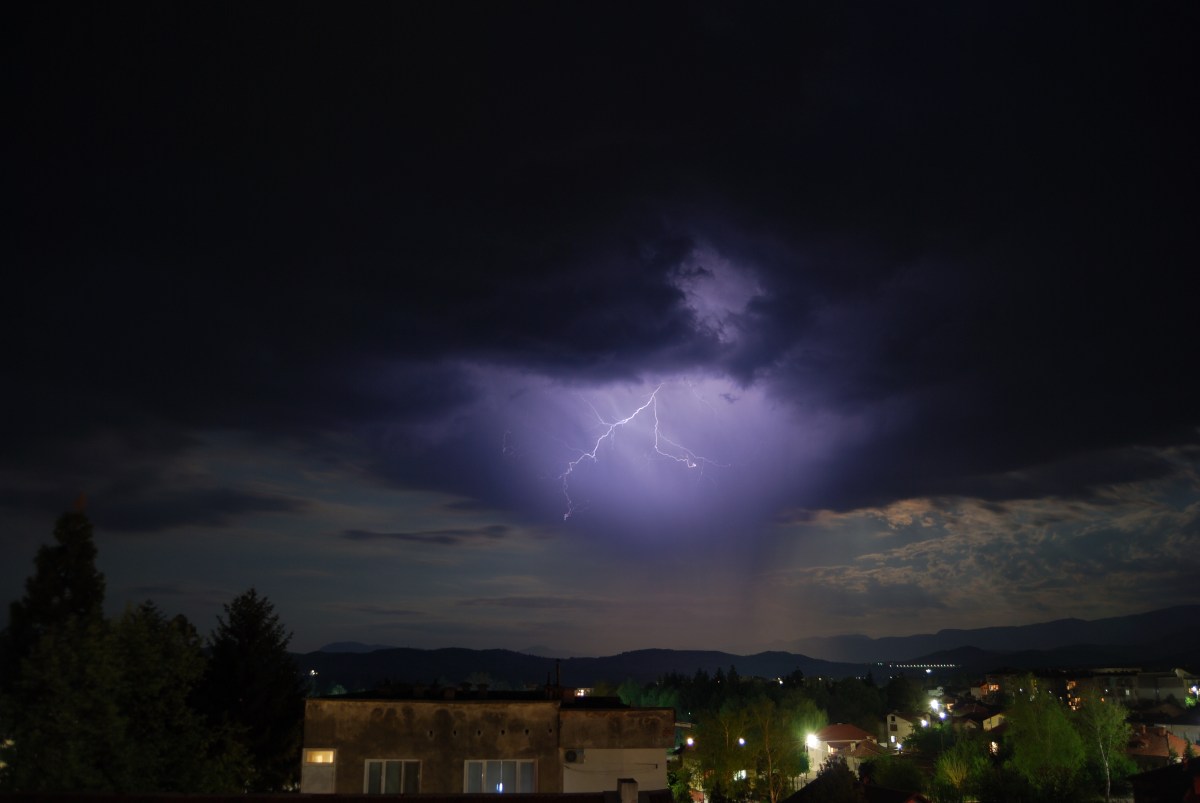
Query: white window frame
[[383, 762], [482, 769]]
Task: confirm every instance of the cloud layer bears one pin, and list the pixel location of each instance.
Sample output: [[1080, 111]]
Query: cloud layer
[[342, 298]]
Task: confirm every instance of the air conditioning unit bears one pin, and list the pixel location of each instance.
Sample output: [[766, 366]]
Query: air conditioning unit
[[573, 756]]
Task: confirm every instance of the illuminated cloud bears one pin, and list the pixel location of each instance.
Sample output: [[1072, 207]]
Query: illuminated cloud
[[914, 313]]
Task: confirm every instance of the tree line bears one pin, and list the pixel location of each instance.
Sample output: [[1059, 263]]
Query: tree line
[[748, 741], [140, 703], [748, 736]]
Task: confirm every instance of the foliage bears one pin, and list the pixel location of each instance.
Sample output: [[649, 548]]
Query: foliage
[[903, 693], [173, 749], [894, 772], [959, 771], [61, 727], [856, 701], [65, 585], [1046, 750], [679, 781], [67, 732], [1103, 727], [751, 746], [253, 686], [933, 740], [90, 705], [777, 742], [654, 695], [834, 784], [718, 753]]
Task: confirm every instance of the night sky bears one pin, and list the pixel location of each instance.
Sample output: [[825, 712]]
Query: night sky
[[356, 305]]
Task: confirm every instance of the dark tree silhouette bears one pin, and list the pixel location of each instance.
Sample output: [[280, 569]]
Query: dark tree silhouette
[[253, 685], [65, 585]]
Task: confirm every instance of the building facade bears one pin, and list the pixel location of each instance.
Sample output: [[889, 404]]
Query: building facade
[[355, 746]]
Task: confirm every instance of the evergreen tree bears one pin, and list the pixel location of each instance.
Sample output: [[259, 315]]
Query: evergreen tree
[[65, 585], [253, 685], [68, 734], [60, 724], [172, 748]]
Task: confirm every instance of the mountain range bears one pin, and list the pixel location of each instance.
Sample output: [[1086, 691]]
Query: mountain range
[[1136, 629], [1159, 639]]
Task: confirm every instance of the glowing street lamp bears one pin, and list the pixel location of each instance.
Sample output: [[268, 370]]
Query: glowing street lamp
[[811, 743]]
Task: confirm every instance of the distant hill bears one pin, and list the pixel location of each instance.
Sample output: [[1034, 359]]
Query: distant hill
[[1157, 640], [1181, 648], [514, 670], [1137, 629], [353, 646]]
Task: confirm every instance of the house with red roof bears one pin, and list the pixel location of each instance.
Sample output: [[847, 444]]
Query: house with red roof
[[1152, 746], [839, 740]]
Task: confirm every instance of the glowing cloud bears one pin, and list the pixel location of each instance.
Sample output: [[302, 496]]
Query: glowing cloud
[[662, 445]]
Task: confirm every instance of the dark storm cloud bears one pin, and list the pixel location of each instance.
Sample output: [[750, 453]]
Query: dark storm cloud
[[967, 235], [378, 610], [159, 590], [449, 537], [146, 510], [540, 603]]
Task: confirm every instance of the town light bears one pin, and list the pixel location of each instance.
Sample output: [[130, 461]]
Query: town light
[[741, 741], [812, 741]]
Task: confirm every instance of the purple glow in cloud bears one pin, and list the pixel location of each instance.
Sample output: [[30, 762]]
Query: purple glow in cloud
[[688, 458], [672, 451]]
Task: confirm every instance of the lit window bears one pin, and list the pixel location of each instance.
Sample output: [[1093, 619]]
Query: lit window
[[391, 777], [318, 756], [499, 776]]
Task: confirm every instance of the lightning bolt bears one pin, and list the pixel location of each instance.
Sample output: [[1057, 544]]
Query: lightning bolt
[[663, 446]]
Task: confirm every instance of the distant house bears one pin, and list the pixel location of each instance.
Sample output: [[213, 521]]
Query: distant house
[[901, 724], [863, 751], [493, 744], [837, 741], [1153, 746]]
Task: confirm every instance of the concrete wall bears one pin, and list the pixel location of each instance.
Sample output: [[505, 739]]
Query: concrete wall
[[613, 743], [439, 734], [597, 769], [618, 727]]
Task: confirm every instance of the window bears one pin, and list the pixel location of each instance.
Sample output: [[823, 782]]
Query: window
[[318, 756], [392, 777], [499, 776]]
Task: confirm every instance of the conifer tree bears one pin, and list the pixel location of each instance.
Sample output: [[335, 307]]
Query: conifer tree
[[59, 673], [253, 685], [172, 747], [65, 585]]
